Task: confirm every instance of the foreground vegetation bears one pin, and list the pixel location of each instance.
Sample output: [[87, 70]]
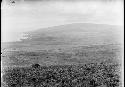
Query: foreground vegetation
[[91, 66], [87, 75]]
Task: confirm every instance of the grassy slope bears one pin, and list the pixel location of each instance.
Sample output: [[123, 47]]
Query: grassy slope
[[45, 50], [73, 55]]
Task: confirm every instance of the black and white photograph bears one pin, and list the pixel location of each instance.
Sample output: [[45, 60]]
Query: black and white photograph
[[62, 43]]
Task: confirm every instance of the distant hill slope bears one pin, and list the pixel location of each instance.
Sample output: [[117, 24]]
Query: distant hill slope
[[74, 34], [66, 36], [64, 45]]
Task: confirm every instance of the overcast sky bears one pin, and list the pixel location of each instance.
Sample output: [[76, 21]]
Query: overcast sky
[[28, 16]]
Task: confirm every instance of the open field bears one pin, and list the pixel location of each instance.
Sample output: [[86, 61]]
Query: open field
[[80, 66], [65, 55]]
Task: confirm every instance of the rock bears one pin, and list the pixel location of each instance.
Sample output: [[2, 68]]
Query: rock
[[36, 65]]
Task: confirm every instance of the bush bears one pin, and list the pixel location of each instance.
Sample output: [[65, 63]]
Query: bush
[[88, 75]]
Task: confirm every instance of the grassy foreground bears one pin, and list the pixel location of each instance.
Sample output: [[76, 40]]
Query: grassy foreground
[[87, 75]]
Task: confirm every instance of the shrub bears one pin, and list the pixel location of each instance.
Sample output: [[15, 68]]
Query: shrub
[[88, 75]]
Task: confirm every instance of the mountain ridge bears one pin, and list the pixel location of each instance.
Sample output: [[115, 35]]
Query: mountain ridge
[[74, 25]]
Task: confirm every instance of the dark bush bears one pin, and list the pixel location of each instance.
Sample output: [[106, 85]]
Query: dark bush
[[88, 75]]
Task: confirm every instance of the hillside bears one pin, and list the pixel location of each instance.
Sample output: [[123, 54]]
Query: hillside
[[74, 34], [72, 55], [65, 44]]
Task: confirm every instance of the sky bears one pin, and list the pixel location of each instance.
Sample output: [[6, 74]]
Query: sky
[[27, 16]]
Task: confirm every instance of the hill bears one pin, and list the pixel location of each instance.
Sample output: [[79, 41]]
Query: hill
[[65, 44], [74, 34]]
